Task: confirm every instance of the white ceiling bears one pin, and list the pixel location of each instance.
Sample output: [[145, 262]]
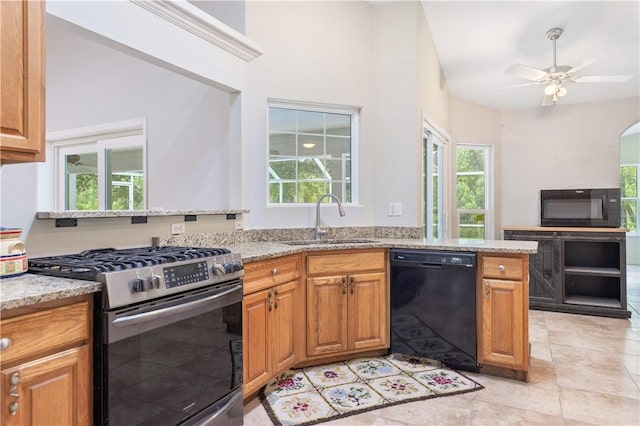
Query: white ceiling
[[477, 40]]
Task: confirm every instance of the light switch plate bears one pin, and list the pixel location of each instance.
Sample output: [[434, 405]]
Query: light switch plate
[[395, 209], [177, 228]]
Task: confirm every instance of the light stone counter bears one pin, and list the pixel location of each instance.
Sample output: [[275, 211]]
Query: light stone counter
[[254, 251], [29, 289]]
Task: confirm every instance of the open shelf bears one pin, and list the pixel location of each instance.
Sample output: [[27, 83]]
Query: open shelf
[[587, 270], [593, 301], [577, 271]]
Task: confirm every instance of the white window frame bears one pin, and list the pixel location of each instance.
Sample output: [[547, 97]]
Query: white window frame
[[95, 139], [488, 211], [433, 137], [354, 112], [636, 199]]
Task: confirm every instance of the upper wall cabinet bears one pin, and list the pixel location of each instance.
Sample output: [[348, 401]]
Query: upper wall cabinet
[[22, 81]]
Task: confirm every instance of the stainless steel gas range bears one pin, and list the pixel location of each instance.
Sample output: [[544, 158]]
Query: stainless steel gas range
[[167, 333]]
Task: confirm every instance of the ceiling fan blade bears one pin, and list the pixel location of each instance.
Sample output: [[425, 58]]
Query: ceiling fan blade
[[515, 85], [603, 78], [526, 72], [588, 62]]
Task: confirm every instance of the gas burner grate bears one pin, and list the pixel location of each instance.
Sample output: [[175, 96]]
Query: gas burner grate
[[88, 264]]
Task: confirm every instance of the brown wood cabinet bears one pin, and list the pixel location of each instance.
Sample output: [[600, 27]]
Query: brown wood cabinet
[[503, 331], [347, 302], [272, 308], [45, 367], [22, 81]]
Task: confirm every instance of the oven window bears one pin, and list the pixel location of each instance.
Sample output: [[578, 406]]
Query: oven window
[[573, 209], [165, 375]]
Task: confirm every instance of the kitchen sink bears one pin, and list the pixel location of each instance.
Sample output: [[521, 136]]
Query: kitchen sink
[[329, 241]]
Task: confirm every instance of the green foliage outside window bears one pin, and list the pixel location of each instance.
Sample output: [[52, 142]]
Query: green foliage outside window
[[87, 192], [470, 191], [470, 187], [630, 200]]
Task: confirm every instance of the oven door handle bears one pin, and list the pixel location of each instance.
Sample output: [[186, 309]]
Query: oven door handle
[[193, 308]]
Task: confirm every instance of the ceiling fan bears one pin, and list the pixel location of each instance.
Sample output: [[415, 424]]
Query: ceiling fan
[[554, 77]]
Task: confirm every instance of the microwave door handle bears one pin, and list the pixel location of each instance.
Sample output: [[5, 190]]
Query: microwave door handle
[[194, 307]]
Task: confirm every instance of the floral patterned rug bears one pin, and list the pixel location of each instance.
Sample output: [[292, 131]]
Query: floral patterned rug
[[317, 394]]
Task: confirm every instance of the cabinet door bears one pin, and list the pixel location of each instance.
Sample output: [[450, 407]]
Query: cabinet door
[[55, 390], [284, 318], [256, 334], [502, 328], [368, 328], [327, 315], [22, 81]]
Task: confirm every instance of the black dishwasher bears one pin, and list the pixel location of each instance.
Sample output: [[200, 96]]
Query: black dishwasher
[[433, 306]]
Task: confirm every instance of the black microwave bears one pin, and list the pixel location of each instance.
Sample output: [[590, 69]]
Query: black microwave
[[598, 207]]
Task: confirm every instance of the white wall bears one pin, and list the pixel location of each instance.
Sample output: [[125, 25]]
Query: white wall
[[315, 52], [568, 146], [349, 53]]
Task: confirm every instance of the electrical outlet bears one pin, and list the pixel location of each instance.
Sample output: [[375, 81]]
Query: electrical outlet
[[238, 225], [395, 209], [177, 228]]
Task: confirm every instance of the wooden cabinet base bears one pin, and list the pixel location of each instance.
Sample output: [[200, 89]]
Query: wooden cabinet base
[[507, 373]]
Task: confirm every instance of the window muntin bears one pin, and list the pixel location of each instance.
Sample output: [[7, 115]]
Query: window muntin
[[630, 197], [473, 183], [310, 153]]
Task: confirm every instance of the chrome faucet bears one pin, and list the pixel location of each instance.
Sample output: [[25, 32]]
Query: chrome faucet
[[319, 231]]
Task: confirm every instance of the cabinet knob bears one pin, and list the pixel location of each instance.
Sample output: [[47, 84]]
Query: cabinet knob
[[274, 271], [501, 268], [5, 343]]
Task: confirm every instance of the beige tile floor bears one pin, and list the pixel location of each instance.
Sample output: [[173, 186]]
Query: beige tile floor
[[584, 371]]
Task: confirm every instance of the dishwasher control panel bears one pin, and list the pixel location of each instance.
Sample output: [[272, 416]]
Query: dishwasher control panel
[[430, 257]]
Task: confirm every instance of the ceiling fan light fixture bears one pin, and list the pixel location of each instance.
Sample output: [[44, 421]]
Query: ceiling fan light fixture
[[550, 89], [561, 91]]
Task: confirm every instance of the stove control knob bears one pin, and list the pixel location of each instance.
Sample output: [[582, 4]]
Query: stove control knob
[[219, 269], [137, 285], [237, 266], [154, 281]]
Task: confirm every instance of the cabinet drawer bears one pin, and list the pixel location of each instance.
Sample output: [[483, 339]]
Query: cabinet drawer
[[502, 267], [265, 274], [345, 263], [45, 331]]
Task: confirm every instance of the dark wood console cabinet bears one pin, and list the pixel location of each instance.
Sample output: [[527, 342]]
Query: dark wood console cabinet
[[576, 270]]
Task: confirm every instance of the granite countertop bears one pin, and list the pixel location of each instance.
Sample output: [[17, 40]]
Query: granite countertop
[[254, 251], [29, 289]]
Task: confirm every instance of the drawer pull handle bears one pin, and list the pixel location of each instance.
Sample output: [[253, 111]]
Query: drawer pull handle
[[501, 268], [274, 271], [5, 343], [15, 380]]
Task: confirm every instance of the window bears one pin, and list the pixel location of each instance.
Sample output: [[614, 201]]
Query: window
[[311, 151], [630, 198], [98, 170], [473, 191]]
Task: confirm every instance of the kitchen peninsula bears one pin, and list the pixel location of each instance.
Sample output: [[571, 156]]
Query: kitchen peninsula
[[277, 275]]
